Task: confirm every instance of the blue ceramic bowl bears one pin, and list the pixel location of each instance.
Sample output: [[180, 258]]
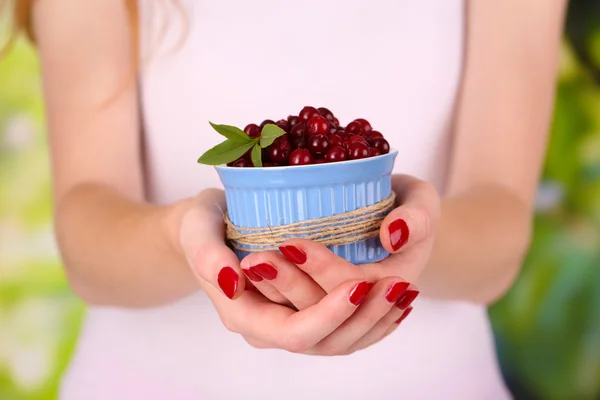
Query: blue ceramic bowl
[[261, 197]]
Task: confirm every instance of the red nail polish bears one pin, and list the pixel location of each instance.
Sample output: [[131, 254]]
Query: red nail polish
[[395, 291], [406, 299], [398, 234], [253, 276], [359, 293], [228, 281], [265, 270], [293, 254], [403, 317]]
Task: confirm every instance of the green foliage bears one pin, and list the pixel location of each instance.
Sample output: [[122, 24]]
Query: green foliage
[[238, 143], [39, 317], [547, 327]]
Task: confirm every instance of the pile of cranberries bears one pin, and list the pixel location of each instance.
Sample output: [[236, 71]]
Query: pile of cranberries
[[314, 137]]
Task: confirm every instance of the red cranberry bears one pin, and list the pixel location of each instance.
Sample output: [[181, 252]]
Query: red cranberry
[[332, 128], [300, 157], [325, 113], [283, 124], [366, 126], [317, 125], [336, 121], [279, 151], [373, 152], [269, 164], [335, 140], [375, 134], [293, 120], [265, 122], [318, 144], [307, 113], [242, 163], [344, 136], [247, 156], [252, 130], [336, 154], [357, 151], [265, 155], [381, 144], [319, 161], [299, 143], [297, 135], [354, 128], [357, 139]]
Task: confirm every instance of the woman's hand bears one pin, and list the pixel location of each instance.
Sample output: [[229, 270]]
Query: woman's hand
[[307, 271], [354, 315], [332, 325], [409, 231], [202, 239]]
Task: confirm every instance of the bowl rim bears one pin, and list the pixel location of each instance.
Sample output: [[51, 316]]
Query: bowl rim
[[297, 167]]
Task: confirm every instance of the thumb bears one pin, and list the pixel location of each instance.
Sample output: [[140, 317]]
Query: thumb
[[415, 219], [202, 238]]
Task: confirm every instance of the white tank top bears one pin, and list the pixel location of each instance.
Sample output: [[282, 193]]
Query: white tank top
[[396, 63]]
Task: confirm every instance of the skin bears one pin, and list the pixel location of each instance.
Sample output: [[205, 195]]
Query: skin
[[120, 250]]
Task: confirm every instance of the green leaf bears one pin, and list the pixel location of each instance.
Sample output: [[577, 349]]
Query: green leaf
[[256, 156], [228, 151], [269, 133], [231, 133]]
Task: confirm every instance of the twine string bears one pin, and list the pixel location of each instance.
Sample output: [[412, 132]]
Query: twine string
[[350, 227]]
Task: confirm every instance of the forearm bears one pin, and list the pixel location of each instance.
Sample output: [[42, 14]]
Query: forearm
[[119, 252], [482, 237]]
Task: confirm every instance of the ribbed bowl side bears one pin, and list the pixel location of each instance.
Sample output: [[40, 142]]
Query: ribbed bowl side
[[269, 199]]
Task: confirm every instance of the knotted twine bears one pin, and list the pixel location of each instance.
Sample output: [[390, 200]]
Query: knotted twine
[[350, 227]]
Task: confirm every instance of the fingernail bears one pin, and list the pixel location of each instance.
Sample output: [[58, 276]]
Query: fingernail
[[228, 281], [398, 234], [406, 299], [253, 276], [359, 292], [395, 291], [293, 254], [265, 270], [403, 317]]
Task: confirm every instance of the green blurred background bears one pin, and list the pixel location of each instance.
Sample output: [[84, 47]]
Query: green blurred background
[[547, 328]]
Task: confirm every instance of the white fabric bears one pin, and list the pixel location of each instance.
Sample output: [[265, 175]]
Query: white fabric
[[396, 63]]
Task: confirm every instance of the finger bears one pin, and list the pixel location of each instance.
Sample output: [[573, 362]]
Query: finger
[[308, 327], [252, 279], [320, 263], [273, 274], [407, 298], [377, 306], [250, 309], [276, 326], [382, 329], [202, 239], [416, 217]]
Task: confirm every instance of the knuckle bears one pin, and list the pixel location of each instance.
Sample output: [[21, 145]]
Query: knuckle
[[230, 324], [424, 220], [432, 194], [295, 343], [254, 343]]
